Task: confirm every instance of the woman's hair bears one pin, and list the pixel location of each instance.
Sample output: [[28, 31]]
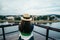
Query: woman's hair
[[25, 26]]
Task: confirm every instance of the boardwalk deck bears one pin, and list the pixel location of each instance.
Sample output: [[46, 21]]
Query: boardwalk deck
[[15, 36]]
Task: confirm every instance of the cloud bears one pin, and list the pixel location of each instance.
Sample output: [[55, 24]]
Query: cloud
[[18, 7]]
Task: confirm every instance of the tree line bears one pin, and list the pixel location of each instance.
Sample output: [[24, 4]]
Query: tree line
[[45, 17]]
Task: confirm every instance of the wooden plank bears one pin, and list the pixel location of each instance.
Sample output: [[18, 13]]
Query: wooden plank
[[15, 36]]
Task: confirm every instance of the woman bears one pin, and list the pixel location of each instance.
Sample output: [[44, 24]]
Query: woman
[[26, 28]]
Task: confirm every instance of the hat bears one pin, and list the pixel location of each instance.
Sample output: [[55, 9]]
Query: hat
[[26, 17]]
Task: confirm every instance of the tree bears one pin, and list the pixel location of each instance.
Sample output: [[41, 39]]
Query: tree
[[17, 18], [44, 17], [2, 17], [39, 18]]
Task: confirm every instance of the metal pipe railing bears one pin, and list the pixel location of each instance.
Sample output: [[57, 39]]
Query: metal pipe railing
[[43, 35], [47, 30], [46, 27], [3, 31]]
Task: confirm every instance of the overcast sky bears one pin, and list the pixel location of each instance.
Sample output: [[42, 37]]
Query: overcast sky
[[33, 7]]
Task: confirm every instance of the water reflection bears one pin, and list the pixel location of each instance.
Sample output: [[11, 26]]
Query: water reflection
[[46, 24], [52, 34]]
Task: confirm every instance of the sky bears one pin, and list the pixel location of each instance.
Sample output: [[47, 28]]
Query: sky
[[33, 7]]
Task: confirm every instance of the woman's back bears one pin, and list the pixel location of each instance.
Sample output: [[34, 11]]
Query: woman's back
[[26, 27]]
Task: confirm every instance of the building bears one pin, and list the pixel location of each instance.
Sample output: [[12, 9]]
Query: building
[[10, 19]]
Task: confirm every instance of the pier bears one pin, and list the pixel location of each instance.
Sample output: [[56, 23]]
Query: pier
[[14, 35]]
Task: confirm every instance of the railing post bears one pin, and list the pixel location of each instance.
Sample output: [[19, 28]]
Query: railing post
[[3, 32], [47, 34]]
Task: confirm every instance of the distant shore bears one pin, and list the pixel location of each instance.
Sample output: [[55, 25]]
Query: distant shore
[[46, 21], [37, 21]]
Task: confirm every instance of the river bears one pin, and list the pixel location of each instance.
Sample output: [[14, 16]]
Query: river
[[52, 34]]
